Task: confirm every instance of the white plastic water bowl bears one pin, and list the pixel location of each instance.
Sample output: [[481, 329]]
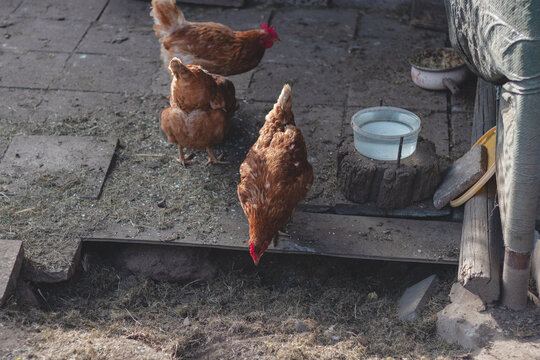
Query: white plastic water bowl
[[378, 131]]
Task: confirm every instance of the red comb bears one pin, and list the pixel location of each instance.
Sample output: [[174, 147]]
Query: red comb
[[269, 29]]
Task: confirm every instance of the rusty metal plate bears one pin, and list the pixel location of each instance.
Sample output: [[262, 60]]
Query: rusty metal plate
[[321, 234]]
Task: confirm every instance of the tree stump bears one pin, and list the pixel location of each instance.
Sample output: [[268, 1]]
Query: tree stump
[[361, 179]]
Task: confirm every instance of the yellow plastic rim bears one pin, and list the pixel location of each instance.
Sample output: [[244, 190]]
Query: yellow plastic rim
[[489, 141]]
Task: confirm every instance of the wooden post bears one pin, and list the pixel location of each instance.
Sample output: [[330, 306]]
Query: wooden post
[[481, 238]]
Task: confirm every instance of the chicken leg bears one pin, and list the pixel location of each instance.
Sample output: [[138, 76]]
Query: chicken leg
[[184, 160], [212, 159]]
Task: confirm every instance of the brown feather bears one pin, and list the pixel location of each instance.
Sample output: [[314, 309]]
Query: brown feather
[[275, 175]]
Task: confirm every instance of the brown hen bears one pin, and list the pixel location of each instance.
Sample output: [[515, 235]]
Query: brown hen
[[214, 46], [275, 176], [202, 105]]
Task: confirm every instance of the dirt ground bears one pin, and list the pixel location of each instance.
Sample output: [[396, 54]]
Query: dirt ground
[[291, 307]]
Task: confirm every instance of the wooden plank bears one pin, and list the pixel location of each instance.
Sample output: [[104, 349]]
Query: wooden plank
[[320, 234], [11, 260], [481, 240]]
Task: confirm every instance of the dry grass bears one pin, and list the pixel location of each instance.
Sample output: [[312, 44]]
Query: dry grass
[[51, 215], [348, 310]]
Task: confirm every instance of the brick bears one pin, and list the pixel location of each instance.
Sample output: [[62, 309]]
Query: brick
[[11, 260], [414, 299]]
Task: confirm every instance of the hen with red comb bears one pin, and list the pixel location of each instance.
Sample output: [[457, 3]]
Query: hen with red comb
[[213, 46]]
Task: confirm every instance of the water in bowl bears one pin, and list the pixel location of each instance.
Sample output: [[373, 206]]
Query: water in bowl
[[385, 149]]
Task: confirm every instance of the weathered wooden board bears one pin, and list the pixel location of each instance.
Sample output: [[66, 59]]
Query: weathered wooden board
[[321, 234], [28, 157], [481, 240]]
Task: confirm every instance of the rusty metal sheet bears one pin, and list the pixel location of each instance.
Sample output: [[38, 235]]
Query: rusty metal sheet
[[28, 157], [319, 234]]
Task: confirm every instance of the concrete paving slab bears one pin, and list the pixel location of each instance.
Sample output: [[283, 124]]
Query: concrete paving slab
[[53, 9], [7, 7], [30, 69], [379, 4], [127, 12], [42, 34], [322, 26], [313, 85], [401, 92], [236, 19], [120, 40], [17, 105], [435, 129], [108, 73], [29, 157], [11, 260], [383, 25], [241, 83], [321, 127], [297, 51], [57, 105], [460, 129]]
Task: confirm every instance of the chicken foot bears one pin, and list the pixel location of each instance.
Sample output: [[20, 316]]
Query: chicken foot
[[184, 160], [212, 159]]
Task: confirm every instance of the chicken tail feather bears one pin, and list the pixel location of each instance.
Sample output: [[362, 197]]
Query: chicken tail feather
[[167, 17], [285, 99]]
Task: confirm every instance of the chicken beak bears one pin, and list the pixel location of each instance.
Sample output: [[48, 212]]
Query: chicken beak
[[256, 262]]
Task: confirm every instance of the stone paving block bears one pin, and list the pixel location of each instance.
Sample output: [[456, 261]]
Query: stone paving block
[[241, 83], [297, 51], [56, 105], [383, 25], [435, 129], [236, 19], [414, 299], [464, 100], [7, 7], [15, 68], [321, 127], [371, 58], [54, 9], [42, 34], [314, 85], [399, 92], [463, 322], [29, 156], [322, 26], [108, 73], [11, 260], [460, 128], [120, 40], [18, 105], [380, 4], [127, 12]]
